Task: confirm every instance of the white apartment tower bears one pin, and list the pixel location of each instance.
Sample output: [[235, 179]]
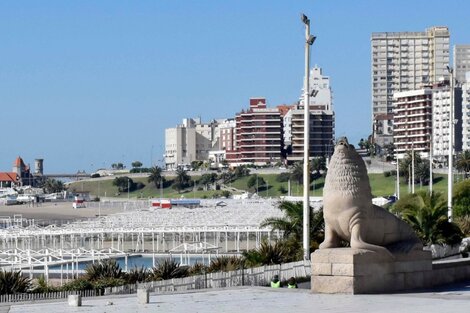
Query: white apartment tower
[[461, 62], [403, 61], [466, 113], [322, 121], [412, 119]]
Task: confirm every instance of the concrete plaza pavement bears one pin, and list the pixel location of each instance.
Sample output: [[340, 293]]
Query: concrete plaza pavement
[[263, 299]]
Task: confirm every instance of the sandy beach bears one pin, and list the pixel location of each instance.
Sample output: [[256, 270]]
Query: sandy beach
[[54, 211]]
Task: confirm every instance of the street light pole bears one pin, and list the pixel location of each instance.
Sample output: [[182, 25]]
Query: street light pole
[[128, 188], [309, 39], [451, 146], [430, 164]]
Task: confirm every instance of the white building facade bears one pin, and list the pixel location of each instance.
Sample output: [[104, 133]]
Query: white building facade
[[461, 62], [190, 141], [322, 121], [442, 121], [403, 61], [466, 113]]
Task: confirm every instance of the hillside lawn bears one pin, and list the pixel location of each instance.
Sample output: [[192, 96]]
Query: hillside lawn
[[381, 186]]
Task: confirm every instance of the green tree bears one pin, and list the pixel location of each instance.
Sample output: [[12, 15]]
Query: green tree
[[317, 165], [156, 176], [195, 165], [241, 171], [182, 180], [207, 179], [50, 185], [123, 183], [297, 173], [136, 164], [117, 166], [405, 167], [255, 183], [13, 282], [461, 199], [427, 214], [462, 163]]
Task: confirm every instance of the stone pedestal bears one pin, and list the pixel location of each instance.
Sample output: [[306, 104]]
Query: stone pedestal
[[75, 300], [356, 271], [142, 296]]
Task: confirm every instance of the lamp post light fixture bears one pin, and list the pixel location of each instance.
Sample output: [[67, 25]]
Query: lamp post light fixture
[[451, 145], [309, 40]]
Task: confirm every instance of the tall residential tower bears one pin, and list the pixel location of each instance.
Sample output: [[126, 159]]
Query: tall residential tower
[[403, 61]]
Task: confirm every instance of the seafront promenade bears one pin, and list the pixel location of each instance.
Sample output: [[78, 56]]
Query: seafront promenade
[[453, 299]]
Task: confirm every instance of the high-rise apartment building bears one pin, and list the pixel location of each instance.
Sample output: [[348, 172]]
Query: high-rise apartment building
[[258, 135], [322, 121], [466, 113], [412, 119], [441, 120], [461, 62], [403, 61], [423, 115]]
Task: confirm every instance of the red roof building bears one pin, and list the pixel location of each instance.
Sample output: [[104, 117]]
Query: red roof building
[[8, 179]]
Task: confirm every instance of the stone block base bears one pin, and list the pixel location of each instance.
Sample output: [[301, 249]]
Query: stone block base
[[75, 300], [142, 296], [356, 271]]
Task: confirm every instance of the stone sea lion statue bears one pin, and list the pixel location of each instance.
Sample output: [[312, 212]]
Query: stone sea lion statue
[[349, 212]]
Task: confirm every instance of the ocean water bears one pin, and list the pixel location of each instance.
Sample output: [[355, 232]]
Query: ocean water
[[146, 261]]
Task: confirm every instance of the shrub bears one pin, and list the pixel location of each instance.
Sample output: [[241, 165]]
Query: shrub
[[197, 269], [13, 282], [168, 269], [103, 269], [78, 285], [387, 174], [41, 286], [226, 193], [137, 275], [283, 177], [226, 263], [108, 282], [282, 189]]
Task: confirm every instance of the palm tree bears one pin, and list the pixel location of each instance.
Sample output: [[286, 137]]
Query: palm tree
[[156, 176], [292, 224], [427, 214], [461, 199], [182, 180], [104, 269], [405, 164], [317, 165], [137, 275], [297, 173], [282, 251], [225, 263], [13, 282], [168, 269], [463, 162]]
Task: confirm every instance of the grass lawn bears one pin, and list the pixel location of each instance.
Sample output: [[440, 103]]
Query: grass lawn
[[381, 186]]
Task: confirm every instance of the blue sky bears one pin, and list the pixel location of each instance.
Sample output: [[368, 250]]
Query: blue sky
[[84, 84]]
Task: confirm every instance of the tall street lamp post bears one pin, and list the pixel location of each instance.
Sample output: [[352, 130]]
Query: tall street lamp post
[[451, 146], [309, 39]]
